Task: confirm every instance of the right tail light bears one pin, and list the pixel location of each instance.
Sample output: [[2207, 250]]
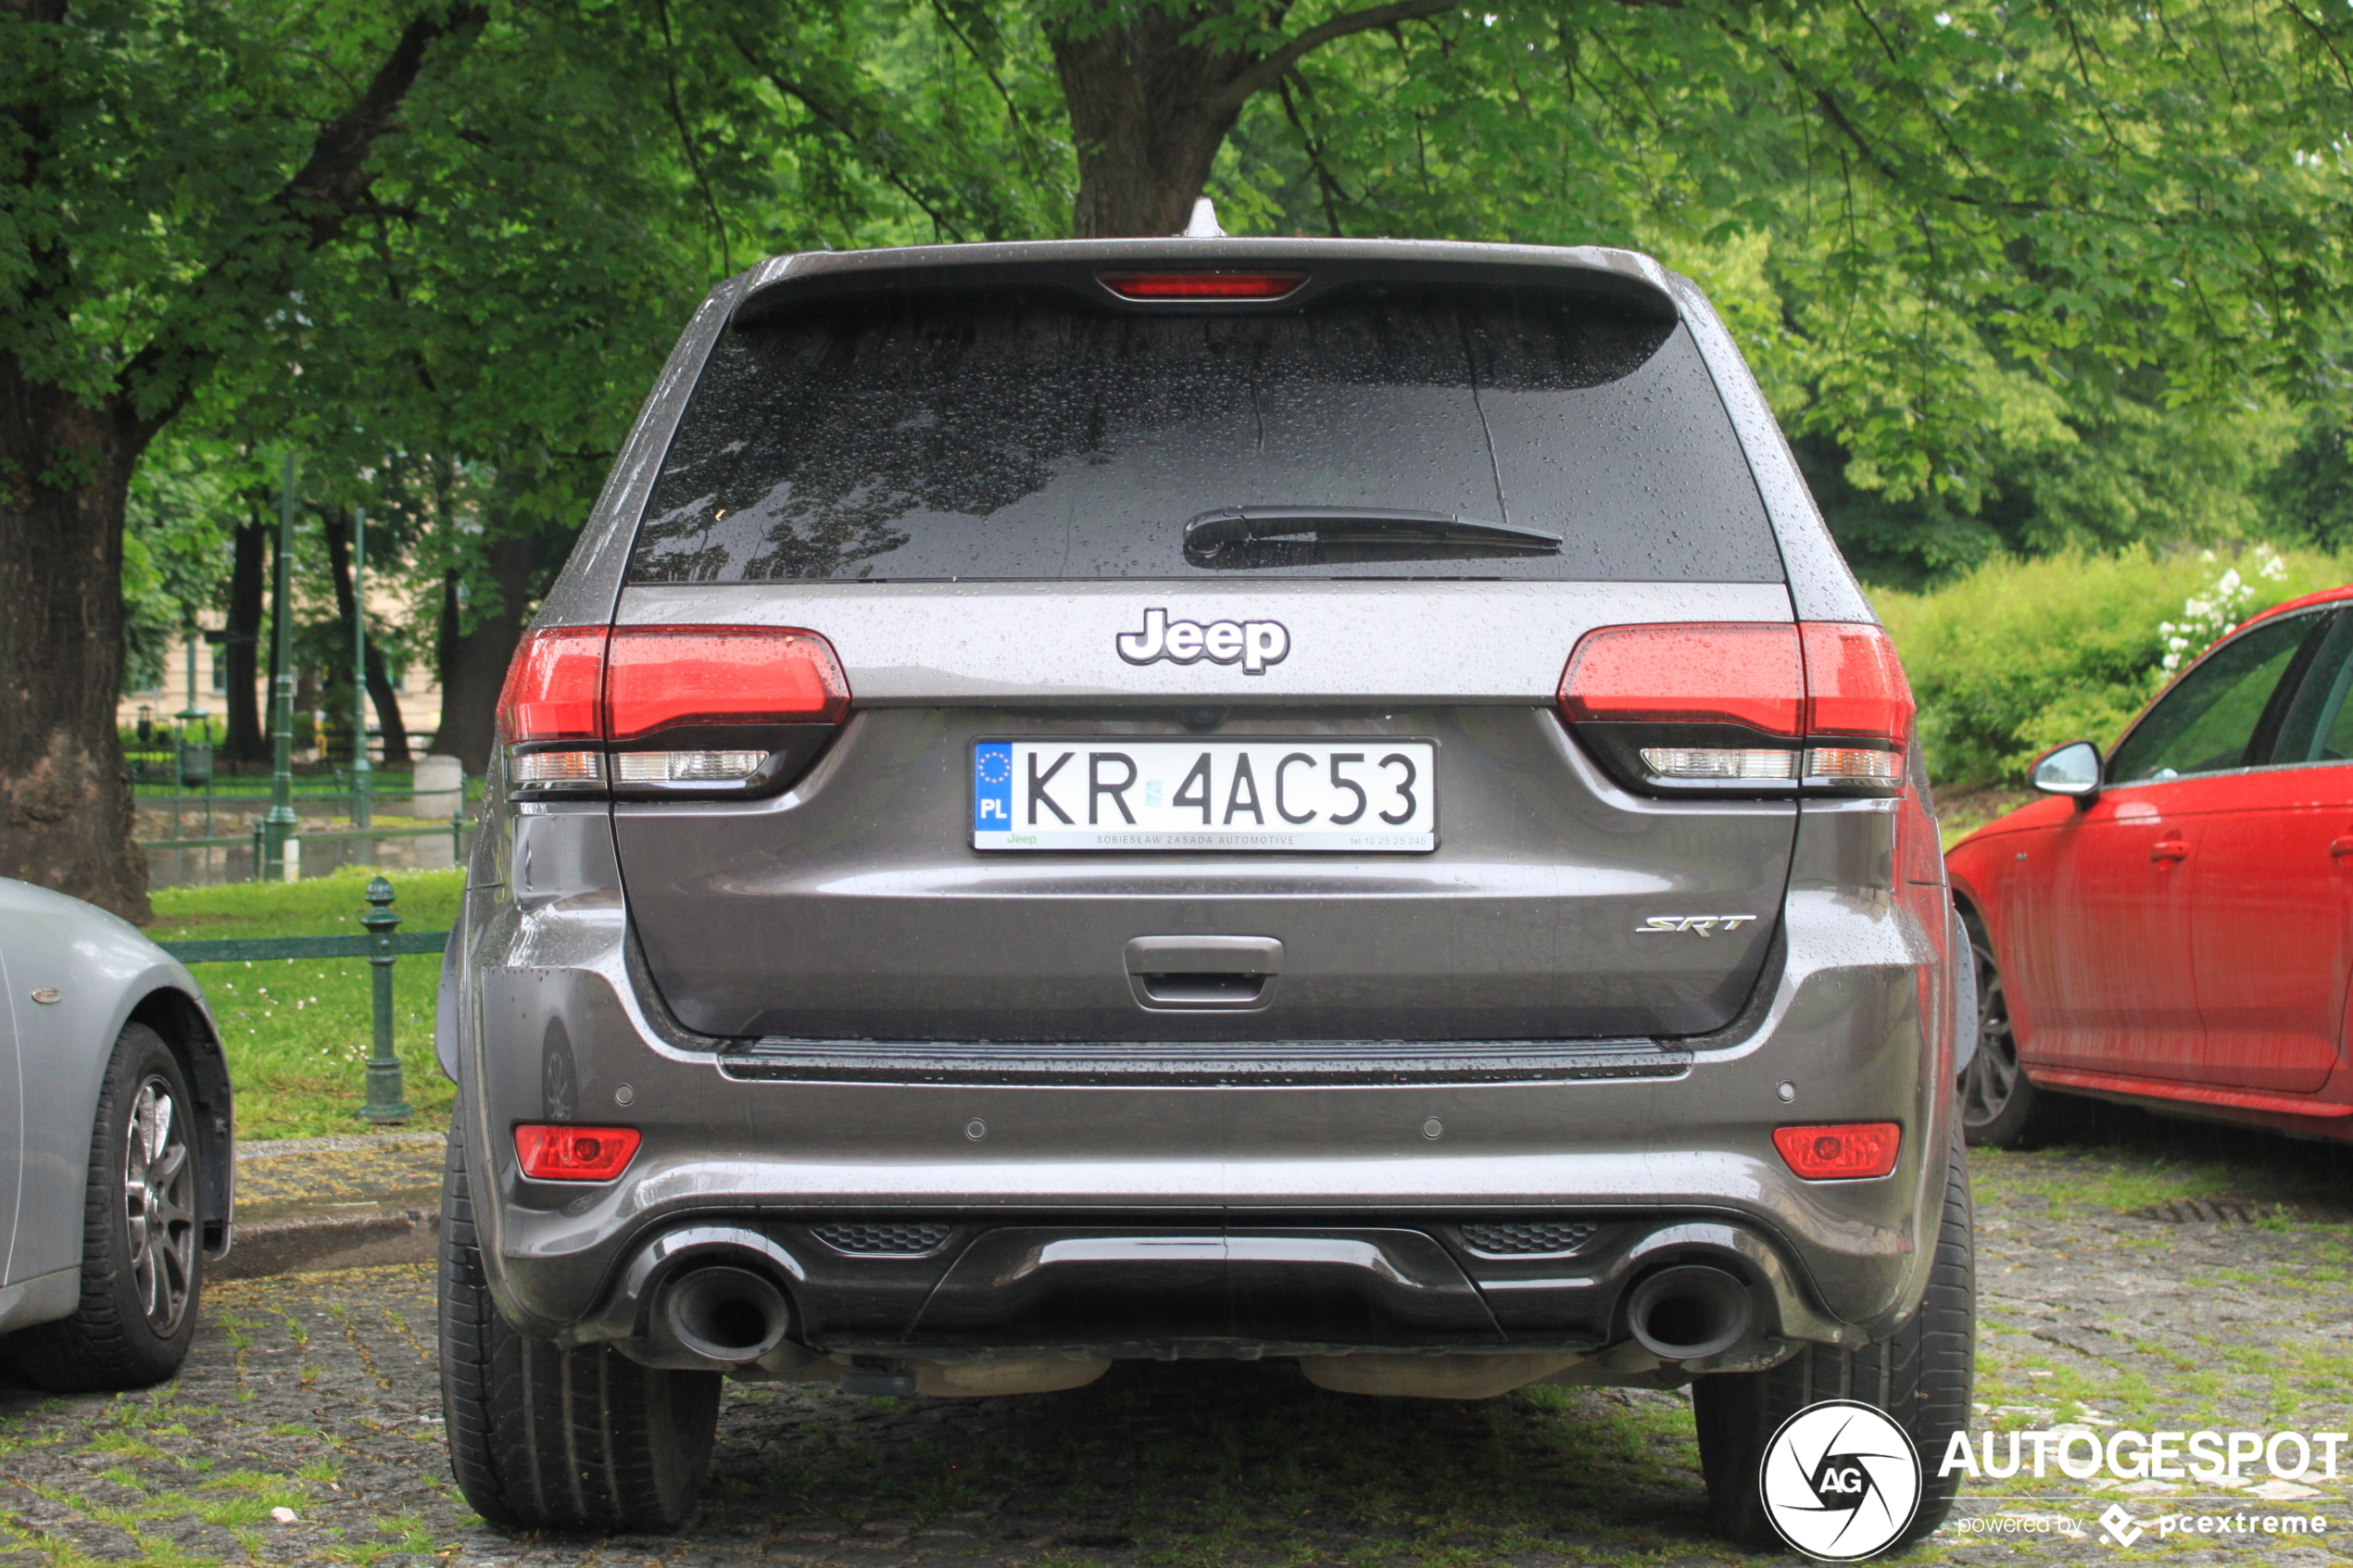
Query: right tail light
[[1816, 707], [663, 711]]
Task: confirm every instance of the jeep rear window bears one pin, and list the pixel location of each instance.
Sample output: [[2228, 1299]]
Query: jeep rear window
[[1033, 436]]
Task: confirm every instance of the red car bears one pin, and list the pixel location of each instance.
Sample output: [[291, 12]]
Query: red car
[[2174, 927]]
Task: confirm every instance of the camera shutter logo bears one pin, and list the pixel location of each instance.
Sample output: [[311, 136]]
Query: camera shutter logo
[[1840, 1481]]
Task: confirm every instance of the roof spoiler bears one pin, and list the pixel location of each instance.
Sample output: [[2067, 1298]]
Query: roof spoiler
[[1625, 278]]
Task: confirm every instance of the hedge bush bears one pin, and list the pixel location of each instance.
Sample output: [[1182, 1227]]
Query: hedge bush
[[2020, 655]]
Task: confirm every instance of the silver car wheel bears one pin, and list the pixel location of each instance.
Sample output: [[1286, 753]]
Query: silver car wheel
[[1990, 1082], [159, 1206]]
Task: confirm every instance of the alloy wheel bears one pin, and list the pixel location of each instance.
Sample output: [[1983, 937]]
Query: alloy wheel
[[159, 1186]]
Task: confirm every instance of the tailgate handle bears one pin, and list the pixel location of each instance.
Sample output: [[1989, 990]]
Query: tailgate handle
[[1233, 973]]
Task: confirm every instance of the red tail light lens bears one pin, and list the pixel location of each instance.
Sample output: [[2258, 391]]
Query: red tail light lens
[[659, 677], [1846, 1151], [1854, 683], [1688, 674], [752, 706], [574, 1154], [1744, 707], [553, 685], [1202, 285]]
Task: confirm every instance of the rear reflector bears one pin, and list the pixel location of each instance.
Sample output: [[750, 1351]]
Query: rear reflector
[[552, 687], [1844, 1152], [1688, 674], [574, 1154], [659, 677], [1202, 285]]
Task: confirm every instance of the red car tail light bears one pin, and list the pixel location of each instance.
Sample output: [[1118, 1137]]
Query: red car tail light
[[1843, 1151], [553, 686], [1742, 707], [574, 1154], [1692, 675], [740, 707], [1200, 286], [1854, 685], [662, 677]]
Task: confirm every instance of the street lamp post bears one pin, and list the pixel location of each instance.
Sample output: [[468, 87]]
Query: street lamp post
[[362, 780], [279, 824]]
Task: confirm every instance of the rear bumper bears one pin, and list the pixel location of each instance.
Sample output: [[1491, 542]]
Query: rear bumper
[[1209, 1205]]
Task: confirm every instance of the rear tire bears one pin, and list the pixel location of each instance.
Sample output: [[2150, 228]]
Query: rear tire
[[1999, 1106], [1921, 1375], [142, 1238], [546, 1439]]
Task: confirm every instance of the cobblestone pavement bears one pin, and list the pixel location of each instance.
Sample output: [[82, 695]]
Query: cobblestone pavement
[[316, 1394], [376, 1168]]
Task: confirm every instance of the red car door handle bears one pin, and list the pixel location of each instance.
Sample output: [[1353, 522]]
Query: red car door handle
[[2169, 849], [2341, 845]]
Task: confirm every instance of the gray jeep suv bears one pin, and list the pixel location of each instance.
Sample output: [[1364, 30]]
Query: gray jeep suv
[[1198, 797]]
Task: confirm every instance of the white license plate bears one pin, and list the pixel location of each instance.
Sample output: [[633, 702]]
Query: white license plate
[[1281, 795]]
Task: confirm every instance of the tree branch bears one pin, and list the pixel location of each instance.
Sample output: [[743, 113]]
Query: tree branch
[[1272, 68], [687, 139], [331, 187]]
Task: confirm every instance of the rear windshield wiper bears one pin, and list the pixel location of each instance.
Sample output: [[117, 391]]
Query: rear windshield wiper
[[1357, 525]]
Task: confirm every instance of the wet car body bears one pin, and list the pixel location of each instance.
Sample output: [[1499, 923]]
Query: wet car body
[[988, 1120]]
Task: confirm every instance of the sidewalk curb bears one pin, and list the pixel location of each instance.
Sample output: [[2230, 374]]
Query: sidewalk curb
[[399, 1222], [343, 1235]]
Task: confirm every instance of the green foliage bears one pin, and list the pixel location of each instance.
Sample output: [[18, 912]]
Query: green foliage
[[2016, 278], [2309, 494], [2020, 655], [182, 505], [297, 1031]]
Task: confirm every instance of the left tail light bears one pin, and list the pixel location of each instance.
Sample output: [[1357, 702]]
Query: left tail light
[[1741, 708], [659, 711]]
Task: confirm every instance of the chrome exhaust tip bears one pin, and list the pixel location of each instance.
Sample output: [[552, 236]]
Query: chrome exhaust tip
[[725, 1313], [1689, 1312]]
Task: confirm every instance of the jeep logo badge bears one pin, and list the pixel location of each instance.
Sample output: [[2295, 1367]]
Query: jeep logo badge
[[1252, 643]]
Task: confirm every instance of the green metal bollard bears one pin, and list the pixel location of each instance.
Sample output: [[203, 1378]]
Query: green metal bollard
[[386, 1096]]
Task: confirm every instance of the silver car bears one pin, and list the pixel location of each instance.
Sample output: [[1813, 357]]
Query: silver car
[[1274, 798], [116, 1131]]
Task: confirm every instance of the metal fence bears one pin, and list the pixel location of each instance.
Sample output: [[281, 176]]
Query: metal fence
[[387, 1096]]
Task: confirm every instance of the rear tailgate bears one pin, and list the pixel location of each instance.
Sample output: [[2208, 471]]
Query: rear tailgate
[[856, 905], [989, 500]]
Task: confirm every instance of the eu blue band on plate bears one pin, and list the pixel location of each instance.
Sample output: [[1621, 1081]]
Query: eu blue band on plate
[[992, 786]]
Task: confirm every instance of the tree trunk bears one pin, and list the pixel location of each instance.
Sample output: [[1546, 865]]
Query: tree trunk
[[241, 651], [65, 794], [66, 464], [1148, 113], [1149, 110], [473, 663], [380, 692]]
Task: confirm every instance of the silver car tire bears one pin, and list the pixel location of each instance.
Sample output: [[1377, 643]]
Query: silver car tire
[[143, 1242]]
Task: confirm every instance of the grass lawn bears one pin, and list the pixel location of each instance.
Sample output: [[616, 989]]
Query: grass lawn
[[297, 1030]]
